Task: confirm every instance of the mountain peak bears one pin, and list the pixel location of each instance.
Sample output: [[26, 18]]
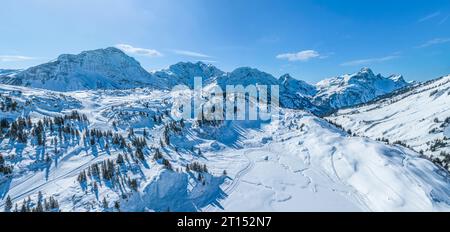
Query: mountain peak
[[190, 65], [296, 86], [286, 78], [366, 70], [397, 78], [357, 88], [108, 68], [103, 52], [189, 70], [250, 72]]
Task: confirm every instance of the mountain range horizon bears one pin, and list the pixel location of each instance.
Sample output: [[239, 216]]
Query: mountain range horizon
[[199, 63], [112, 68]]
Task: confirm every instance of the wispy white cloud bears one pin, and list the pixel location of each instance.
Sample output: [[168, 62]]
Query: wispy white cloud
[[434, 42], [138, 51], [300, 56], [191, 54], [430, 16], [9, 58], [370, 60]]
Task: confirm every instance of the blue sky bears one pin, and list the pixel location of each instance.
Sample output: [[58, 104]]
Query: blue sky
[[311, 40]]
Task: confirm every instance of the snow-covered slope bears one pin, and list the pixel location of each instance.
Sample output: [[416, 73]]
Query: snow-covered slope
[[296, 163], [418, 116], [357, 88]]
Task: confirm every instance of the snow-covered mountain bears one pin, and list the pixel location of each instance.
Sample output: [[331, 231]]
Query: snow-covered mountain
[[357, 88], [111, 68], [297, 86], [183, 73], [418, 117], [108, 68], [120, 150]]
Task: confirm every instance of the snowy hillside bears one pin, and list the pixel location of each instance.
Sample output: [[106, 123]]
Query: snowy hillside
[[357, 88], [110, 150], [418, 117]]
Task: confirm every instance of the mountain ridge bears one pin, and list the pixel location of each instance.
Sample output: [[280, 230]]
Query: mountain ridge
[[111, 68]]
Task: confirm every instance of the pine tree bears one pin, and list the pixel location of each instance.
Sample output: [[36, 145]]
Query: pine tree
[[167, 164], [46, 205], [24, 207], [40, 197], [117, 206], [82, 178], [28, 201], [2, 160], [105, 203], [39, 207], [53, 203], [95, 186], [8, 204], [119, 160], [157, 155], [133, 184], [140, 154], [92, 141]]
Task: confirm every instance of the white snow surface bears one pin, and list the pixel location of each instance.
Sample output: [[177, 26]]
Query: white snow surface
[[296, 163]]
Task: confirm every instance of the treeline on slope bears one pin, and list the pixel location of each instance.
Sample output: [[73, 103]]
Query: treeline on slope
[[443, 160], [7, 104], [47, 204]]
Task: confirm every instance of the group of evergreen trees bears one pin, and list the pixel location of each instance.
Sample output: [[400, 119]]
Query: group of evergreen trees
[[7, 104], [105, 204], [197, 167], [41, 205], [5, 169], [206, 121], [443, 161], [108, 171], [105, 170], [437, 143], [23, 129]]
